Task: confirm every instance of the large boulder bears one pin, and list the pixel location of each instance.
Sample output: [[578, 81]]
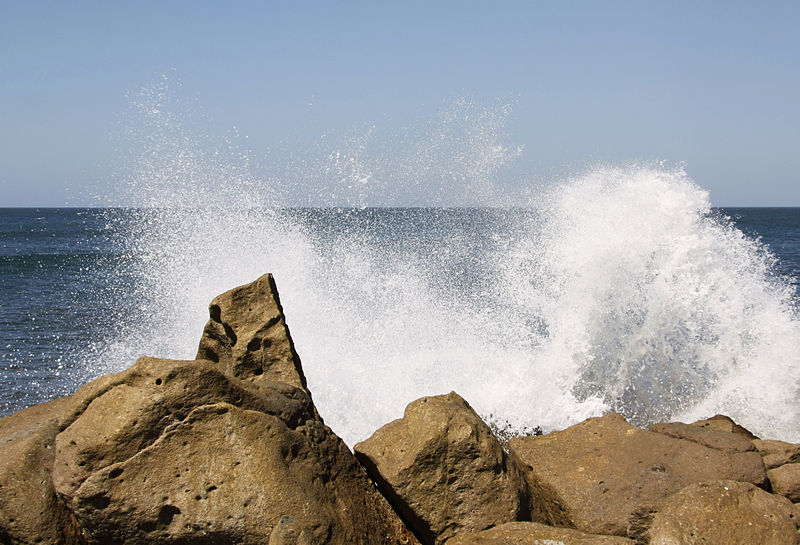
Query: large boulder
[[719, 513], [445, 472], [229, 475], [533, 533], [178, 452], [119, 415], [29, 509], [226, 450], [246, 335], [603, 469]]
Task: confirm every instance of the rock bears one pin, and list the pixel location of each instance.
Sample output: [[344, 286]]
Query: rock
[[785, 480], [777, 453], [706, 435], [724, 423], [247, 336], [176, 451], [533, 533], [29, 509], [230, 475], [118, 415], [445, 472], [796, 514], [603, 469], [721, 513]]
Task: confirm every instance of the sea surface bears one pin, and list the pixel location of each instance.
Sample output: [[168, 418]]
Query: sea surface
[[538, 316]]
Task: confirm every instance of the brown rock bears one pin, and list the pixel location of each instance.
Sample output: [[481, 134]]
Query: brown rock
[[178, 452], [722, 513], [533, 533], [705, 435], [445, 472], [777, 453], [603, 469], [724, 423], [118, 415], [247, 335], [786, 481], [29, 510], [229, 475]]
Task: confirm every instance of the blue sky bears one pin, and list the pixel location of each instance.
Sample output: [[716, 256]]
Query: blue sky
[[714, 85]]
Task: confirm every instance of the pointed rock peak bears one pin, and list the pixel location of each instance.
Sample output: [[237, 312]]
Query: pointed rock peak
[[246, 335]]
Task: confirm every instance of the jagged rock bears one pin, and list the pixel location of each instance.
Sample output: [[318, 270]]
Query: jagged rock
[[533, 533], [29, 509], [176, 451], [603, 469], [785, 480], [707, 436], [247, 336], [724, 423], [777, 453], [720, 513], [445, 472]]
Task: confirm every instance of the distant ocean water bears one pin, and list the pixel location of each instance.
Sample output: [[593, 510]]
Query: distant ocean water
[[537, 320]]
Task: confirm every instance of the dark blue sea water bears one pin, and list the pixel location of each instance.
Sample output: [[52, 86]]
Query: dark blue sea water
[[74, 281]]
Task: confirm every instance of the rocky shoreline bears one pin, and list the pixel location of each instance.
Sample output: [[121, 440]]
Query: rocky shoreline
[[230, 449]]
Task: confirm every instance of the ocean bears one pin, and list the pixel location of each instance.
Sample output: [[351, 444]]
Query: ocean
[[629, 295]]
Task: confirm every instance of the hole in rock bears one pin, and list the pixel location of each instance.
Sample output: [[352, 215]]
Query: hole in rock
[[215, 313], [116, 472], [230, 333], [167, 513], [254, 344], [99, 501], [158, 382]]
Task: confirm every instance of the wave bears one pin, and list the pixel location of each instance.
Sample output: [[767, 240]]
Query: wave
[[617, 290]]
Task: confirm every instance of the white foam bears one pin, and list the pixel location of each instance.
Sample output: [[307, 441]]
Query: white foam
[[621, 293]]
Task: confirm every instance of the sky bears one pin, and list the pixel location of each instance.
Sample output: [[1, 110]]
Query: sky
[[713, 86]]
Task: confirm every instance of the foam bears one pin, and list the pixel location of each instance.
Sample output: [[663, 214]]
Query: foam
[[622, 291]]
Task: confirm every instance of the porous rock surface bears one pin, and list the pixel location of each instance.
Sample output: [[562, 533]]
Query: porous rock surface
[[445, 472], [246, 335], [603, 469], [533, 533], [719, 513]]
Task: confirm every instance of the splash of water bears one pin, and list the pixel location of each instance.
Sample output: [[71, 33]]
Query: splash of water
[[617, 290]]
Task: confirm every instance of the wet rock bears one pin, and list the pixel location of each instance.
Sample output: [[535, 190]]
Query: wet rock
[[29, 509], [777, 453], [721, 513], [603, 469], [532, 533], [445, 472], [785, 480], [246, 335]]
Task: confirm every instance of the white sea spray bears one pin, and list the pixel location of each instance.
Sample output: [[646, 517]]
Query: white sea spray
[[621, 290]]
